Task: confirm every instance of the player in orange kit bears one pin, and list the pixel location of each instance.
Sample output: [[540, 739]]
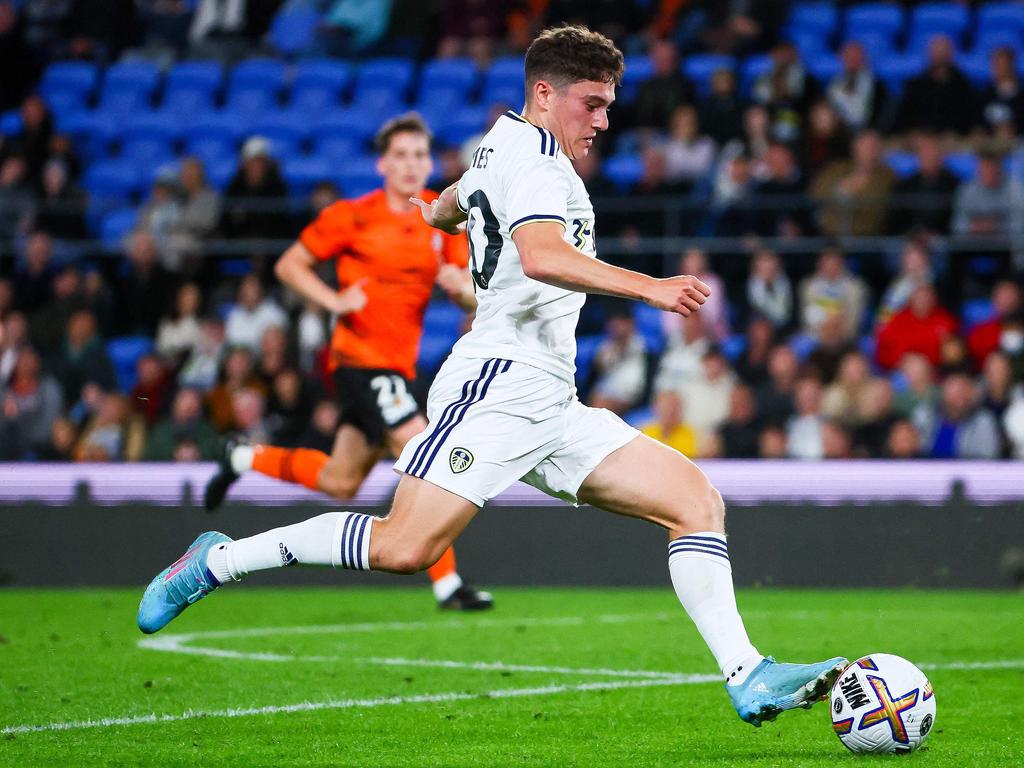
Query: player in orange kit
[[388, 259]]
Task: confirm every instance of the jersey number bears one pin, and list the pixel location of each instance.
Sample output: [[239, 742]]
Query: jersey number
[[393, 398], [483, 271]]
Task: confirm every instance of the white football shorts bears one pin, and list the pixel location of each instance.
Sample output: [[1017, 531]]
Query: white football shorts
[[492, 422]]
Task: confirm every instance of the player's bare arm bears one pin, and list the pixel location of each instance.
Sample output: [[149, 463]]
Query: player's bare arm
[[296, 269], [546, 257], [443, 213], [456, 282]]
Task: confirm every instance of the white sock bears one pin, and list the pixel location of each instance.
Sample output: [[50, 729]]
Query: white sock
[[445, 586], [702, 577], [241, 458], [339, 539]]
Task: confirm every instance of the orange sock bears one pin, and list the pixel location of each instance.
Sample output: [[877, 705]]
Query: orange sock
[[293, 465], [443, 567]]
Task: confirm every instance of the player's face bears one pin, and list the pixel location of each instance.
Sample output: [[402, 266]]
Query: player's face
[[406, 165], [579, 112]]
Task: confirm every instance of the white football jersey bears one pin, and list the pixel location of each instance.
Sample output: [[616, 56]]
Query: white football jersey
[[520, 175]]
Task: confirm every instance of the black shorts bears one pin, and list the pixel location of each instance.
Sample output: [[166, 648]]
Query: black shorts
[[374, 400]]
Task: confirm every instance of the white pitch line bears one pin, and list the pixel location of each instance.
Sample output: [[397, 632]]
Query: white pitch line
[[966, 665], [315, 706], [499, 666]]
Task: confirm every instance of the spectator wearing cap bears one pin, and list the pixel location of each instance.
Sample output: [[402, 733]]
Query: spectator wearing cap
[[856, 93], [251, 200], [964, 430], [1001, 104], [854, 194], [986, 337], [922, 201], [991, 204], [940, 99], [922, 326]]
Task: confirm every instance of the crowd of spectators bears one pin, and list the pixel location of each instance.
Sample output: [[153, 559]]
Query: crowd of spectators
[[845, 356]]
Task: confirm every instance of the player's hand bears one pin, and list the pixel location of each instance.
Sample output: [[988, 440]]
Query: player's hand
[[453, 280], [429, 211], [683, 294], [352, 299]]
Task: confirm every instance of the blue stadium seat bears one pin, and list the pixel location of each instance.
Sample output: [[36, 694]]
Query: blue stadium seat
[[903, 164], [976, 68], [809, 44], [961, 164], [988, 40], [442, 318], [384, 74], [287, 131], [443, 74], [121, 103], [301, 174], [821, 19], [147, 152], [867, 346], [885, 18], [639, 417], [586, 348], [701, 66], [1004, 15], [164, 126], [210, 149], [505, 68], [896, 68], [91, 133], [124, 353], [112, 179], [327, 75], [975, 312], [802, 345], [215, 136], [949, 19], [377, 104], [220, 172], [504, 83], [462, 125], [338, 149], [139, 76], [506, 95], [313, 100], [10, 123], [873, 41], [624, 170], [358, 176], [638, 70], [733, 347], [77, 78], [186, 102], [293, 32], [648, 321], [823, 67], [435, 105], [248, 103], [259, 73], [434, 348], [115, 226], [205, 76], [344, 124], [753, 67]]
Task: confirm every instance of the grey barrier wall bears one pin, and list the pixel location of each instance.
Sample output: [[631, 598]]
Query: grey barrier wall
[[929, 525]]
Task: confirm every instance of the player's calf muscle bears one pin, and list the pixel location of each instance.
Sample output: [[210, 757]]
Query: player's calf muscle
[[338, 482]]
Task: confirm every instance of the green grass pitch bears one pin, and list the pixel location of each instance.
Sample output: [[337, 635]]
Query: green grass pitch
[[356, 677]]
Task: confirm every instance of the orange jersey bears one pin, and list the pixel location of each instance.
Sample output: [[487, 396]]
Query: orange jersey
[[399, 254]]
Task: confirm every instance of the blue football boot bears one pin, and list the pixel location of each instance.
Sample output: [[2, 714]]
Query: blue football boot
[[176, 587], [773, 688]]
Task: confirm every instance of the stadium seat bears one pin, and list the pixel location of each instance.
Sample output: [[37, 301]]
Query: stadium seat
[[976, 67], [434, 348], [259, 73], [214, 136], [586, 348], [1004, 15], [249, 103], [443, 74], [928, 19], [124, 353], [462, 125], [823, 67], [77, 78], [623, 170], [210, 149], [638, 69], [293, 32], [639, 417], [342, 124], [875, 42], [205, 76], [961, 164], [301, 174], [896, 68], [820, 19], [809, 44], [321, 74], [753, 67], [903, 164], [287, 131], [115, 226], [186, 102], [733, 347], [147, 152], [648, 321], [504, 83], [884, 18], [220, 172], [986, 41], [975, 312], [802, 345], [393, 75], [442, 318], [132, 75], [358, 176], [91, 133], [701, 66], [10, 123], [164, 126], [338, 149]]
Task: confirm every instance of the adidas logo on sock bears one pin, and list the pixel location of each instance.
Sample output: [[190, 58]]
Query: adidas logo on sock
[[287, 558]]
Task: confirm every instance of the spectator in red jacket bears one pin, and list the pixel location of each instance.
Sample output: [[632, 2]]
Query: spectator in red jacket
[[920, 327], [985, 338]]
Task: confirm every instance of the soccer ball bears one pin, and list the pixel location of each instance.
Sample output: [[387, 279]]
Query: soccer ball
[[882, 703]]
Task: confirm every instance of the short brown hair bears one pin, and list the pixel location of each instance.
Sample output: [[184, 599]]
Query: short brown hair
[[571, 54], [410, 122]]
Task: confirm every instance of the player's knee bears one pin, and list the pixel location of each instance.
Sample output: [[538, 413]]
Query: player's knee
[[409, 559], [704, 512]]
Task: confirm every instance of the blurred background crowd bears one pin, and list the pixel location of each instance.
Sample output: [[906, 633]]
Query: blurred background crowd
[[847, 177]]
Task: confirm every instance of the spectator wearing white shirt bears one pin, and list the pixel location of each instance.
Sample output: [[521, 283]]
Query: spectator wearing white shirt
[[769, 291], [252, 315], [804, 431], [179, 334], [620, 365], [689, 155]]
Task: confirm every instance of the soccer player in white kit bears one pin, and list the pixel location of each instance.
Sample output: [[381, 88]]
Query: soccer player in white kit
[[503, 406]]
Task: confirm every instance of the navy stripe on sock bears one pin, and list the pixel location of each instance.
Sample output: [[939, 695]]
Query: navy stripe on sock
[[344, 541], [461, 415], [424, 447], [711, 539], [365, 521], [694, 543], [693, 548]]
